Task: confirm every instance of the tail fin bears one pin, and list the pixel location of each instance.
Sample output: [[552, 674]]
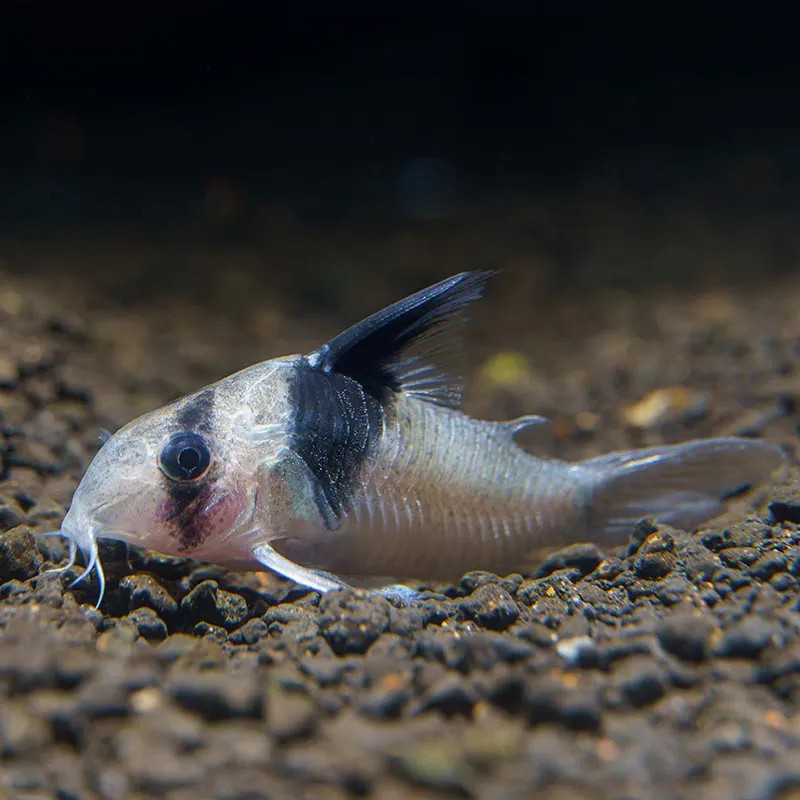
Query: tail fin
[[681, 485]]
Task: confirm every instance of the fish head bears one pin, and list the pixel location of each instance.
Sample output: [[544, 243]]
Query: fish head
[[178, 480]]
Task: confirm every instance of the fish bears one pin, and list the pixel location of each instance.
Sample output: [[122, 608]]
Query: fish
[[356, 462]]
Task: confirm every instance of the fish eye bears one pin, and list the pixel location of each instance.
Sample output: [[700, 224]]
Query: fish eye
[[185, 457]]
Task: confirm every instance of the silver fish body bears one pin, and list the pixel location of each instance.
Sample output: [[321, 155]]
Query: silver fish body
[[355, 460]]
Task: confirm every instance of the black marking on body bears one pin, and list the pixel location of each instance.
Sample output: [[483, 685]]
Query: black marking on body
[[184, 499], [195, 414], [335, 429]]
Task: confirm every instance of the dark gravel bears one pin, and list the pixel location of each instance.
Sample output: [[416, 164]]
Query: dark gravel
[[668, 667]]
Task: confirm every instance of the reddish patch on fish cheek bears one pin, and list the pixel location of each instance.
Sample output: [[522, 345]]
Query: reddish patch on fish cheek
[[222, 514], [202, 513]]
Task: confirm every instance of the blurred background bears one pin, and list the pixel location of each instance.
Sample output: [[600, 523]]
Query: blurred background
[[581, 143]]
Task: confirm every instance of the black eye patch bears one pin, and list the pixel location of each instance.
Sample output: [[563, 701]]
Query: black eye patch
[[185, 456]]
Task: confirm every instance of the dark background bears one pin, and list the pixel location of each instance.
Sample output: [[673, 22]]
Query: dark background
[[595, 142]]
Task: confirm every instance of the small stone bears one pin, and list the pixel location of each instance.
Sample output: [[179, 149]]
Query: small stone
[[608, 569], [738, 557], [641, 531], [175, 646], [785, 510], [578, 650], [698, 562], [19, 556], [536, 633], [639, 680], [11, 514], [209, 631], [745, 638], [120, 639], [673, 590], [782, 582], [15, 590], [710, 597], [655, 557], [728, 580], [406, 621], [102, 697], [686, 636], [249, 633], [581, 711], [384, 703], [766, 566], [491, 607], [145, 590], [9, 373], [211, 604], [217, 694], [326, 671], [21, 733], [434, 764], [289, 715], [149, 624], [350, 623], [477, 578], [584, 557], [452, 696]]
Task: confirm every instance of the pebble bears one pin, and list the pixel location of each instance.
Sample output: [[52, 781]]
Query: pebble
[[549, 700], [383, 703], [249, 633], [11, 513], [437, 764], [19, 556], [767, 565], [145, 590], [491, 607], [289, 715], [350, 623], [452, 696], [655, 557], [583, 557], [745, 638], [149, 624], [686, 636], [787, 510], [208, 603], [215, 696], [578, 650], [326, 671], [639, 680]]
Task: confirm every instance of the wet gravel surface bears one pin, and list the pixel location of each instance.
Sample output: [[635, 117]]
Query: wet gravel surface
[[667, 668]]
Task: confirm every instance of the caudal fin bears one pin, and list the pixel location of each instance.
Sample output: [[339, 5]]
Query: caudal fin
[[681, 485]]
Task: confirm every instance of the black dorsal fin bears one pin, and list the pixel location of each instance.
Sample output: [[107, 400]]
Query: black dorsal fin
[[394, 349]]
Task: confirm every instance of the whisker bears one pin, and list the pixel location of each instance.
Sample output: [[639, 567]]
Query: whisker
[[93, 564], [101, 579], [87, 569], [96, 565], [73, 552]]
